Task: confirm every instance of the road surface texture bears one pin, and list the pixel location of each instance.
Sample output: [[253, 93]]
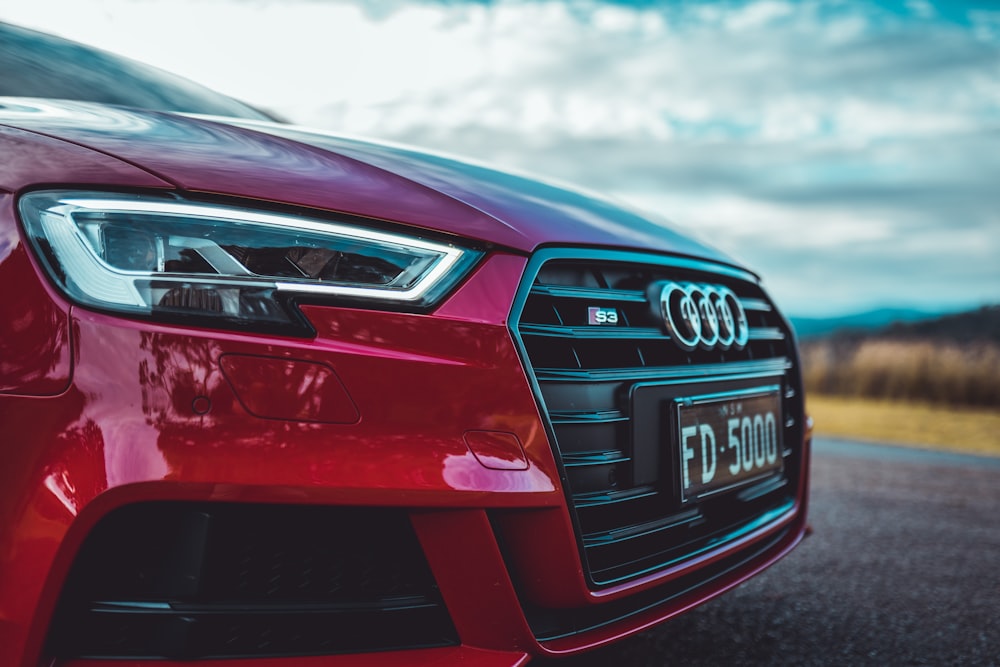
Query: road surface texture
[[903, 568]]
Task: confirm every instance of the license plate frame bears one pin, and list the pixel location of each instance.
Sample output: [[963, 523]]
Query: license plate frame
[[709, 423]]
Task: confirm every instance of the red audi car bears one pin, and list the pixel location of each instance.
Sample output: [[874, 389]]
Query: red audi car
[[270, 396]]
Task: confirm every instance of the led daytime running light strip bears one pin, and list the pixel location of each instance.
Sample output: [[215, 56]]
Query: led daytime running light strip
[[449, 254]]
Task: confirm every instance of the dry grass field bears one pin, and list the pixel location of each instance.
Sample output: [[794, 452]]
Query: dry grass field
[[945, 373], [937, 393], [973, 430]]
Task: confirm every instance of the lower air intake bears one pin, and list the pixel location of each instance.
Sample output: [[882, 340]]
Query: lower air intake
[[184, 581]]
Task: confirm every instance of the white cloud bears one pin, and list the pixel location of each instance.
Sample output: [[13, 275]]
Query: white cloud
[[921, 8], [986, 24], [734, 221], [756, 15]]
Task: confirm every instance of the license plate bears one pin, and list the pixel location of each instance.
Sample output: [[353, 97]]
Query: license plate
[[727, 441]]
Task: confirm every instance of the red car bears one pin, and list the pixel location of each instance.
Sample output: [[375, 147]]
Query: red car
[[276, 397]]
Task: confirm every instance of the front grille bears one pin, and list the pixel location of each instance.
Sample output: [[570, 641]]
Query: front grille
[[622, 490], [219, 580]]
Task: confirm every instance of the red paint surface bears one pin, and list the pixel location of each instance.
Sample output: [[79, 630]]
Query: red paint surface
[[35, 353], [286, 389], [31, 161]]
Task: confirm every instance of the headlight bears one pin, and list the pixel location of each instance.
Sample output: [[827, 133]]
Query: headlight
[[164, 257]]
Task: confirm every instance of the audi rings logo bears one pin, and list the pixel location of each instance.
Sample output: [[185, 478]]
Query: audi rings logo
[[705, 316]]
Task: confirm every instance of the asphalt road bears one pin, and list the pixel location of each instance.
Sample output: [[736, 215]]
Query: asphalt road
[[903, 568]]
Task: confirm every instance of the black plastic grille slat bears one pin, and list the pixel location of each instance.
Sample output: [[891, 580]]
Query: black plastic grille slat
[[766, 333], [628, 527], [220, 580], [599, 458], [680, 373], [624, 296], [587, 417], [582, 332]]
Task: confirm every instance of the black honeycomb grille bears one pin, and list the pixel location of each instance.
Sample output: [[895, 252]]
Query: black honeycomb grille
[[219, 580], [628, 513]]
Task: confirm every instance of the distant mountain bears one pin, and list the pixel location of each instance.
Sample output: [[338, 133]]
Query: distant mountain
[[872, 320], [982, 324]]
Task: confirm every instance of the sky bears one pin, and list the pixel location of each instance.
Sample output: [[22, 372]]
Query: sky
[[849, 152]]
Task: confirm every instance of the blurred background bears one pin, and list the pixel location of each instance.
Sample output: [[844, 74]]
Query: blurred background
[[847, 151]]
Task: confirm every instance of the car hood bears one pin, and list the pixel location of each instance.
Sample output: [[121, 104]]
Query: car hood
[[289, 165]]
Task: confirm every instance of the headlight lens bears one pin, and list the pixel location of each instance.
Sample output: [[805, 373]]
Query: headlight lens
[[156, 256]]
